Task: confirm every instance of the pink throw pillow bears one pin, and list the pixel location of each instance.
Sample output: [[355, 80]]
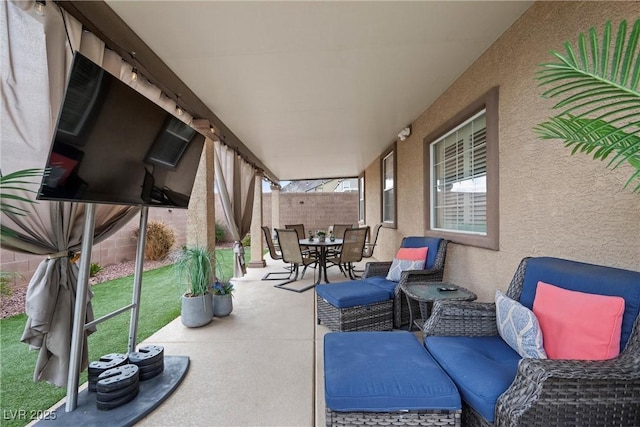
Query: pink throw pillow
[[577, 325], [412, 254]]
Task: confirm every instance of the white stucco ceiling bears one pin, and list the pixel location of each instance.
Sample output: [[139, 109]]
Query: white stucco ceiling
[[318, 89]]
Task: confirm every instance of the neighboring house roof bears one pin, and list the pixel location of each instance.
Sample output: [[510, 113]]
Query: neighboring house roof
[[303, 186]]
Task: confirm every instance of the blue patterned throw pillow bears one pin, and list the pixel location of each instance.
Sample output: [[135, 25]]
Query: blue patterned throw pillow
[[518, 327], [399, 265]]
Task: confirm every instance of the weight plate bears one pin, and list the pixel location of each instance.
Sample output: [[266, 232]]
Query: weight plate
[[148, 368], [151, 374], [147, 355], [105, 406], [117, 378], [108, 361], [116, 394]]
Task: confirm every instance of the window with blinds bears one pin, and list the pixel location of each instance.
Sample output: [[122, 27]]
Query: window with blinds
[[459, 178]]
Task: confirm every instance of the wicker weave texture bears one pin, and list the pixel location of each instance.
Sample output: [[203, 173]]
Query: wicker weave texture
[[372, 317], [549, 392], [409, 418]]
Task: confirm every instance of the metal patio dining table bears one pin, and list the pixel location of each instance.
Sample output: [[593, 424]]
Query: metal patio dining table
[[322, 260]]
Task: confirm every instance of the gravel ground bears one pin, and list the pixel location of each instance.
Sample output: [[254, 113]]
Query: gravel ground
[[14, 304]]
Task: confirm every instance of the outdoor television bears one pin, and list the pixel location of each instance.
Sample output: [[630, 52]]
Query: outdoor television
[[114, 145]]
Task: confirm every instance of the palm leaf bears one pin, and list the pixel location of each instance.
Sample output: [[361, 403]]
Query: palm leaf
[[597, 97], [17, 182]]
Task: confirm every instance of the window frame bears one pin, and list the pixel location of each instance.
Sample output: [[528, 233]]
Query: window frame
[[388, 152], [362, 200], [488, 102]]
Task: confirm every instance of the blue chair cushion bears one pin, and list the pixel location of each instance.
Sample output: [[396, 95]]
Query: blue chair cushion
[[351, 294], [381, 282], [383, 372], [482, 368], [433, 243], [589, 278]]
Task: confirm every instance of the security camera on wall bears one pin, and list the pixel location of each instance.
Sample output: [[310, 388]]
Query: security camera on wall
[[404, 133]]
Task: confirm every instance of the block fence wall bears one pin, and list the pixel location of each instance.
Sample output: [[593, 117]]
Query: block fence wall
[[315, 210]]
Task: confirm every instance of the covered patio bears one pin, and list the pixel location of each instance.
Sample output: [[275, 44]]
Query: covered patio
[[290, 98]]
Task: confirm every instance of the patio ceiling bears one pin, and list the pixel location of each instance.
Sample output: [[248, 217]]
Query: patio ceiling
[[317, 89]]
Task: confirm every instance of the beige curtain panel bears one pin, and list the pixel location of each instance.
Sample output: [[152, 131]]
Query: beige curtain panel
[[234, 182], [35, 59]]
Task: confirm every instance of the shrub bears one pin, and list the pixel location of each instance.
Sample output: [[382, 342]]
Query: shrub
[[160, 240], [6, 280], [94, 269], [220, 232], [246, 242]]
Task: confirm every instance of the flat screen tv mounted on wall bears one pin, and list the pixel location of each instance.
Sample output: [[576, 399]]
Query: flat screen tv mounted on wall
[[114, 145]]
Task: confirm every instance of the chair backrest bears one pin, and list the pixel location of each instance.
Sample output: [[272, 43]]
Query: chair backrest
[[339, 229], [370, 245], [289, 245], [353, 244], [581, 277], [299, 228], [435, 254], [272, 249]]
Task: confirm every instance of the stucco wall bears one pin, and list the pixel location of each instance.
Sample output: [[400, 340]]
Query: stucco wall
[[551, 203]]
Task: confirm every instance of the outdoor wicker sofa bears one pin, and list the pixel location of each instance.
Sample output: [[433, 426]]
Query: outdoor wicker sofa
[[500, 388]]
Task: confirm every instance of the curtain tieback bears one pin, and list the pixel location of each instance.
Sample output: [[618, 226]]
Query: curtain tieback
[[69, 254]]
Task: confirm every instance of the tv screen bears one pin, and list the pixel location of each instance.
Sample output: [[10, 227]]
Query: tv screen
[[113, 145]]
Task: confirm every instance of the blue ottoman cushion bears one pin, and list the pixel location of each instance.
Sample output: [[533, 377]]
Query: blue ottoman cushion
[[381, 282], [351, 294], [495, 365], [383, 372]]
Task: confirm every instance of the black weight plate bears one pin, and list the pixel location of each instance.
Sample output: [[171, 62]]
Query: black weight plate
[[116, 394], [105, 406], [147, 355], [108, 361], [118, 378], [149, 368], [151, 374]]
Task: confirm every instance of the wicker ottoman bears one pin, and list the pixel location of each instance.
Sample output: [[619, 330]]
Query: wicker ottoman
[[354, 306], [386, 378]]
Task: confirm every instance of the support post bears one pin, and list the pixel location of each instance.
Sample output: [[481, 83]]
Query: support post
[[137, 279], [257, 244], [80, 310]]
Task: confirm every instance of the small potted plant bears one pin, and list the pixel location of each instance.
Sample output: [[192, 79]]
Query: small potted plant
[[322, 235], [222, 297], [194, 270]]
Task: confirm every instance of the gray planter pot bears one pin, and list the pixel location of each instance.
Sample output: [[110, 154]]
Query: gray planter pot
[[196, 311], [222, 305]]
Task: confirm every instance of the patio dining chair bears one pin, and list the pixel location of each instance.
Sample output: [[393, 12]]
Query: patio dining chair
[[351, 251], [339, 229], [292, 254], [275, 254], [370, 244]]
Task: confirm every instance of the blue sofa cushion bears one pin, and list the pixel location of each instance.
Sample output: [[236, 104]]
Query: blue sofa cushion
[[589, 278], [482, 368], [383, 372], [433, 243], [381, 282], [351, 294]]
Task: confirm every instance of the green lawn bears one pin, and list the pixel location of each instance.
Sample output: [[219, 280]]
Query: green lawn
[[160, 304]]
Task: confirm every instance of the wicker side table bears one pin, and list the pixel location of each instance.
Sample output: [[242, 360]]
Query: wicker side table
[[427, 293]]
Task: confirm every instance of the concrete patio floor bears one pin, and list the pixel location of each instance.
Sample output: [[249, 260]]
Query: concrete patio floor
[[260, 366]]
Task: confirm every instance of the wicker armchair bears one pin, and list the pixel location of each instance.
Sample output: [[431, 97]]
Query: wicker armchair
[[549, 392], [433, 272]]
